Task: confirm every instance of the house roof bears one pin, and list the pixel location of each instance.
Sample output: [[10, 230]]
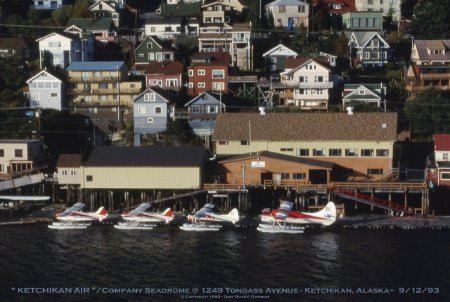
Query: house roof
[[157, 41], [64, 35], [91, 24], [295, 159], [296, 63], [364, 37], [95, 65], [181, 9], [155, 156], [162, 93], [18, 141], [307, 126], [166, 68], [423, 45], [441, 142], [43, 71], [164, 20], [210, 58], [286, 2], [109, 4], [69, 160], [280, 47]]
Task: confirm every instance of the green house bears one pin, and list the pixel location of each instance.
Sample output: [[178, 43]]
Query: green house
[[363, 20], [152, 50]]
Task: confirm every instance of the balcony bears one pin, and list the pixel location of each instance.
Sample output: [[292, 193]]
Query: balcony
[[94, 79], [419, 88], [294, 84], [104, 91], [435, 76]]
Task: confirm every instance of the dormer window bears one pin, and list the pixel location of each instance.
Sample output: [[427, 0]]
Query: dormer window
[[362, 91]]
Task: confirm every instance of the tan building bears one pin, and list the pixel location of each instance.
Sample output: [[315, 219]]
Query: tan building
[[68, 169], [158, 167], [20, 155], [361, 143], [273, 168]]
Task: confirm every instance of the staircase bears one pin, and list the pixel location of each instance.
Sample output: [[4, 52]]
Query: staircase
[[391, 175], [371, 200]]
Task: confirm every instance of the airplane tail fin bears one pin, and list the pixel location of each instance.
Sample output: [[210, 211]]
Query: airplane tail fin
[[102, 213], [168, 212], [329, 212], [234, 215]]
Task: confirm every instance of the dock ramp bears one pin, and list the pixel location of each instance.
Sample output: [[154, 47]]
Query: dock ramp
[[21, 181], [371, 200]]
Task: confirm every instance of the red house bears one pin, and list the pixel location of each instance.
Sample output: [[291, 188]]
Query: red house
[[208, 72], [438, 168], [166, 75]]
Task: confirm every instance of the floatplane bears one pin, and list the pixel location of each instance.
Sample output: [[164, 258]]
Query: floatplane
[[75, 218], [139, 219], [284, 220], [206, 220]]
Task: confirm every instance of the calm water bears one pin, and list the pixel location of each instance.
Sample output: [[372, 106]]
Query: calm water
[[104, 260]]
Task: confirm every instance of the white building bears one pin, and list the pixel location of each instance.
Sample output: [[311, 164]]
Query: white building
[[308, 83], [288, 13], [62, 49], [388, 7], [46, 91], [48, 4]]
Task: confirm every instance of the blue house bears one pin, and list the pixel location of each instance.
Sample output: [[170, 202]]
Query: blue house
[[151, 111]]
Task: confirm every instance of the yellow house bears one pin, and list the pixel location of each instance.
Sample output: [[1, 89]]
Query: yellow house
[[101, 84], [363, 143]]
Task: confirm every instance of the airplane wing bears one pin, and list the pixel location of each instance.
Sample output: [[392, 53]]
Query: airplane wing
[[286, 205], [140, 209], [25, 198], [206, 210], [75, 208]]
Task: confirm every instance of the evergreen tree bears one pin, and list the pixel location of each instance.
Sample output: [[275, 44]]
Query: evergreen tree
[[431, 20]]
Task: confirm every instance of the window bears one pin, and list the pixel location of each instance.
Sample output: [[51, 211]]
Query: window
[[298, 175], [218, 86], [146, 97], [191, 72], [54, 44], [64, 172], [218, 74], [382, 152], [375, 171], [286, 149], [55, 85], [153, 29], [201, 85], [445, 156], [18, 153], [103, 85], [282, 9], [245, 143], [53, 95], [366, 152], [284, 175], [158, 110], [301, 8], [141, 110], [211, 109], [89, 178], [318, 152], [302, 152], [150, 120], [73, 173], [201, 72], [149, 45], [335, 152], [318, 79], [445, 175], [303, 79], [370, 2], [223, 143], [35, 96], [2, 153], [351, 152], [366, 55], [171, 83], [362, 91]]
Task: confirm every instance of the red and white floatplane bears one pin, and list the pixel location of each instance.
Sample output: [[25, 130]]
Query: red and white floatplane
[[139, 219], [206, 220], [75, 218], [284, 220]]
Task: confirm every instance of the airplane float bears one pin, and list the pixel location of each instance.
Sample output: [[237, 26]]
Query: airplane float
[[140, 219], [284, 220], [206, 220]]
